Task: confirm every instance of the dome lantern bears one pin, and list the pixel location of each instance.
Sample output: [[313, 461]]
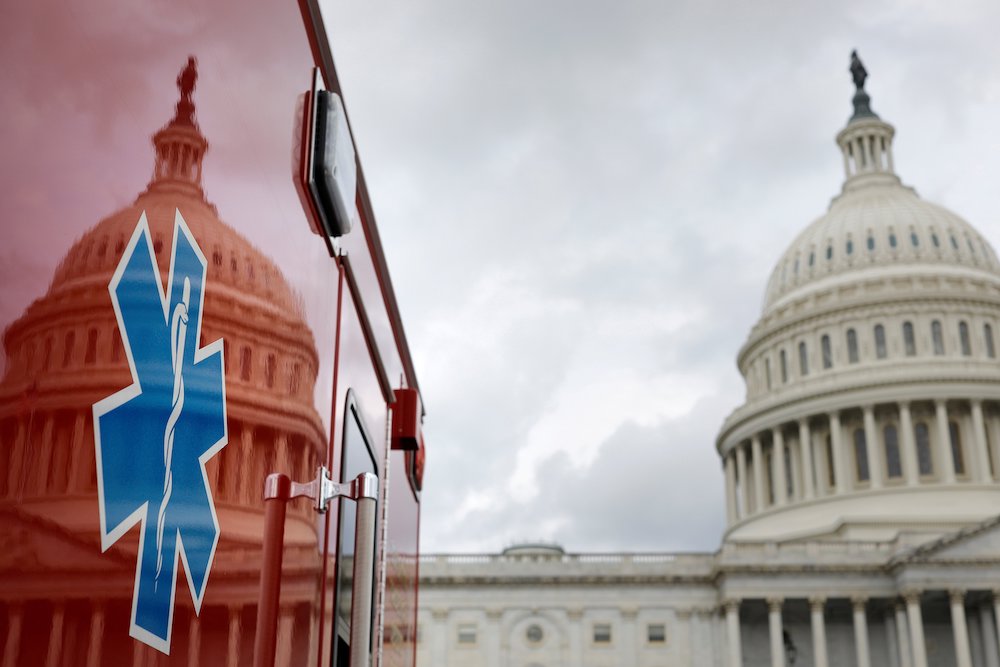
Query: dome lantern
[[180, 146], [866, 142]]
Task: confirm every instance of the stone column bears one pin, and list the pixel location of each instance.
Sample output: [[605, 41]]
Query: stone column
[[233, 648], [733, 633], [989, 632], [12, 647], [903, 635], [55, 636], [682, 637], [94, 645], [805, 446], [891, 641], [993, 423], [730, 489], [916, 621], [758, 474], [741, 474], [439, 643], [194, 640], [944, 442], [286, 629], [861, 632], [491, 640], [982, 472], [839, 466], [872, 448], [630, 640], [774, 624], [79, 471], [962, 651], [575, 617], [778, 467], [818, 622], [907, 445]]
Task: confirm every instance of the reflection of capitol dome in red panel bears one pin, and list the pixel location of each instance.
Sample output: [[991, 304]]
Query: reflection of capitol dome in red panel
[[65, 351]]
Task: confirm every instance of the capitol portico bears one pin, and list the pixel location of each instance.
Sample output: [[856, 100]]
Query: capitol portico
[[862, 473]]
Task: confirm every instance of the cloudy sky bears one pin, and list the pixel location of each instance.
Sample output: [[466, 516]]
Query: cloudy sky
[[581, 203]]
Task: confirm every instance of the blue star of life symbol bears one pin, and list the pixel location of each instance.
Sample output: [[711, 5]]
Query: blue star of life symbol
[[153, 438]]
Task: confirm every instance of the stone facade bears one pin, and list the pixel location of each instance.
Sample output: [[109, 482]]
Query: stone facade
[[862, 475]]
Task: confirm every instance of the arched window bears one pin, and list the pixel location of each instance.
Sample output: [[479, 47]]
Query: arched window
[[914, 239], [852, 346], [68, 348], [216, 256], [893, 465], [827, 352], [269, 367], [892, 240], [991, 351], [963, 339], [956, 448], [935, 240], [784, 366], [850, 246], [871, 242], [246, 360], [803, 359], [293, 380], [861, 454], [829, 252], [880, 350], [925, 461], [937, 337], [909, 341], [90, 356]]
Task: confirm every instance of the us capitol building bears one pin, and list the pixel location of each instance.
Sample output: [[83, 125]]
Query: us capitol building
[[862, 494]]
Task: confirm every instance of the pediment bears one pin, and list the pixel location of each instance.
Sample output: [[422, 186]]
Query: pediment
[[976, 543]]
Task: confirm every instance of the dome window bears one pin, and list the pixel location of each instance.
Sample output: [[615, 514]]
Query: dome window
[[935, 240], [812, 258], [914, 239], [120, 246], [963, 338], [47, 353], [871, 243], [534, 634], [922, 435], [972, 248], [894, 466], [158, 244], [217, 256], [991, 351], [90, 357], [852, 346], [68, 348], [827, 352], [829, 253], [803, 359], [954, 242], [246, 361], [861, 455], [796, 269], [233, 266], [269, 367], [909, 341], [102, 249], [937, 336], [116, 345], [880, 349], [955, 435], [850, 247], [892, 240]]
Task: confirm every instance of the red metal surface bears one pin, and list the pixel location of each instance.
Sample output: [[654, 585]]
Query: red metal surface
[[277, 489], [406, 418], [90, 92]]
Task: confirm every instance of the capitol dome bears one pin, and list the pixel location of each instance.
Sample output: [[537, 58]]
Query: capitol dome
[[872, 377]]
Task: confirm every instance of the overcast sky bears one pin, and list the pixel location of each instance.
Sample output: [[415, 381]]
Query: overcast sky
[[581, 203]]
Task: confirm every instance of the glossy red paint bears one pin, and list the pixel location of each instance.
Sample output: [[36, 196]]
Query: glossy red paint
[[96, 140]]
